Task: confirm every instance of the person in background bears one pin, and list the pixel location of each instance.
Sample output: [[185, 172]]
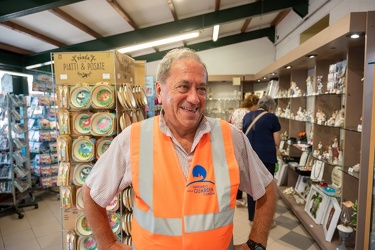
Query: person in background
[[264, 137], [250, 103], [185, 169]]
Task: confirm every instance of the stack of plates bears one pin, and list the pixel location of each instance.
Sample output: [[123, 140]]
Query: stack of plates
[[128, 197], [126, 223]]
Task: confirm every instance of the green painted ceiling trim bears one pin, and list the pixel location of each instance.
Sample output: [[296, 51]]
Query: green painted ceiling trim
[[8, 59], [223, 41], [12, 9], [302, 10], [171, 28]]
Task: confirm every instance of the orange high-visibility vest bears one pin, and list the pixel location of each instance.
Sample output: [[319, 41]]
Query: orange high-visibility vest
[[172, 213]]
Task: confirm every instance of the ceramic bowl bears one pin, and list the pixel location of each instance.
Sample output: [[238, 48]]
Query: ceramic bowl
[[81, 123], [102, 96], [114, 222], [103, 124], [114, 205], [82, 226], [79, 199], [102, 145], [80, 97], [83, 150], [81, 172], [87, 243]]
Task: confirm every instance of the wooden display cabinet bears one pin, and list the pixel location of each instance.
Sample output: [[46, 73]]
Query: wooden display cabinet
[[332, 46]]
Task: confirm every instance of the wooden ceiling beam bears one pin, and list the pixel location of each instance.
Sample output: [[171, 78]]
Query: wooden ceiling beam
[[117, 7], [217, 5], [11, 48], [63, 15], [172, 9], [280, 17], [245, 25], [32, 33]]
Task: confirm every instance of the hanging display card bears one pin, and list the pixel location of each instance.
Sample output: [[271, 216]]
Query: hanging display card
[[81, 67]]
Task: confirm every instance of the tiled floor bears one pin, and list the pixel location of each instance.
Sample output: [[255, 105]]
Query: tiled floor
[[41, 228]]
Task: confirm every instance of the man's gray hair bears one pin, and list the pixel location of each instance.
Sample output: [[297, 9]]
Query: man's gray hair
[[267, 103], [164, 67]]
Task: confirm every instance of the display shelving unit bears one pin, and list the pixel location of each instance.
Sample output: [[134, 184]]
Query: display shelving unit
[[331, 45], [15, 161]]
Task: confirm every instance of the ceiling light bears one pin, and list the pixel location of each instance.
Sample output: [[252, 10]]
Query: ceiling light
[[215, 33], [355, 35], [311, 56], [159, 42], [39, 65], [288, 67]]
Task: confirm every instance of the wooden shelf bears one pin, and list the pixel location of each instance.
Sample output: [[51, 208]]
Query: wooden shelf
[[316, 231]]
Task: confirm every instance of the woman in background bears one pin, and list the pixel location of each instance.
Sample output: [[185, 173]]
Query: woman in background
[[249, 104], [264, 137]]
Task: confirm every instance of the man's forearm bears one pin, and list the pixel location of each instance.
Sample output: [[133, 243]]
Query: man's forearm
[[98, 221], [264, 212]]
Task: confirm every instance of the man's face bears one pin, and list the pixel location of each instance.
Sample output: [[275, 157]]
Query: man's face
[[183, 96]]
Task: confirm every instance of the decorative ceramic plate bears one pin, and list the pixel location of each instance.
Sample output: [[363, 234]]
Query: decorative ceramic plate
[[139, 115], [102, 145], [143, 96], [87, 243], [82, 123], [83, 150], [102, 123], [80, 97], [128, 97], [79, 199], [102, 96], [81, 172], [133, 117], [114, 222], [114, 205], [120, 97], [82, 226]]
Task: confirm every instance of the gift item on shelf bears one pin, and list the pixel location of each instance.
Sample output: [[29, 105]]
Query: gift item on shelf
[[15, 172], [316, 204]]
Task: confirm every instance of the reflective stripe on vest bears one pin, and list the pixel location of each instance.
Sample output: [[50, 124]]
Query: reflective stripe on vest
[[223, 190]]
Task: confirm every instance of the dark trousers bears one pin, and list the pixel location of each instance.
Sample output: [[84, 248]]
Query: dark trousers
[[239, 195], [250, 201]]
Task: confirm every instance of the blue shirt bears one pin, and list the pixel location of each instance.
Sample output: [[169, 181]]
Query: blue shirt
[[261, 134]]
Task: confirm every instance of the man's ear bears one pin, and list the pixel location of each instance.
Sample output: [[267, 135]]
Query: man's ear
[[158, 91]]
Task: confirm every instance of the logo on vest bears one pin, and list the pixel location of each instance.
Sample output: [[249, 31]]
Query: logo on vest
[[198, 185]]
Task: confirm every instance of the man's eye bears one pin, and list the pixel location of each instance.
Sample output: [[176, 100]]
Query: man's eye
[[183, 88], [201, 91]]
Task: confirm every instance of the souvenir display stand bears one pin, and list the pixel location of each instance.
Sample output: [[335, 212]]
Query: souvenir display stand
[[42, 115], [96, 98], [319, 105], [14, 153]]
